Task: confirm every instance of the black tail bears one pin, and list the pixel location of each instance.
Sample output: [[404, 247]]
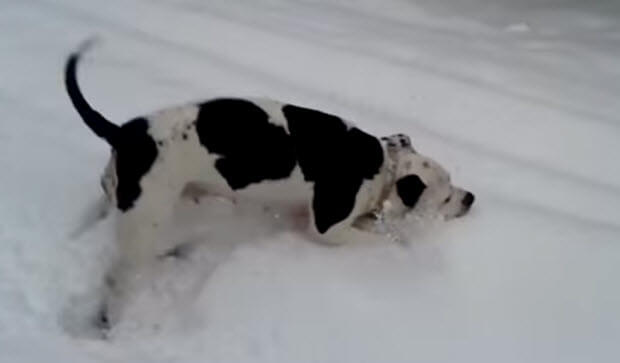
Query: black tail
[[93, 119]]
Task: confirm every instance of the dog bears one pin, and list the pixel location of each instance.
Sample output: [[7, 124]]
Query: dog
[[272, 153]]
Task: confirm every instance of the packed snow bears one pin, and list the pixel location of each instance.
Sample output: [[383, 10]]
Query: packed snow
[[519, 100]]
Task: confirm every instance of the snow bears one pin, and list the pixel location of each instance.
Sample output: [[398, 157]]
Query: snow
[[518, 99]]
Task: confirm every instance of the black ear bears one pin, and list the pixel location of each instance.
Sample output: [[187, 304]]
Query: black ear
[[410, 189]]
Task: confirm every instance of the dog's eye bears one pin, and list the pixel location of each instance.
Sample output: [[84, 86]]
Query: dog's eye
[[447, 200]]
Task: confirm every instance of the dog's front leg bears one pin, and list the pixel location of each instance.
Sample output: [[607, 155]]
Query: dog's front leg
[[343, 232], [339, 235], [140, 233]]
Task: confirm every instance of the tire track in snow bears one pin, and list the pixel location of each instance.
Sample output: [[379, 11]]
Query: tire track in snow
[[409, 63], [546, 210]]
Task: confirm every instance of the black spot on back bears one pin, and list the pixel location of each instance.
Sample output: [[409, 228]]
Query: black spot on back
[[251, 148], [335, 157], [136, 152]]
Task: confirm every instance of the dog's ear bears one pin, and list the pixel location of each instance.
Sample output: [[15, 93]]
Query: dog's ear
[[409, 189]]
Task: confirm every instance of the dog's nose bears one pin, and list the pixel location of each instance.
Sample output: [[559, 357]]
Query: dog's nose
[[468, 200]]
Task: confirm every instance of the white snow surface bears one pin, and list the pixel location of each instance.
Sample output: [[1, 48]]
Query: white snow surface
[[520, 100]]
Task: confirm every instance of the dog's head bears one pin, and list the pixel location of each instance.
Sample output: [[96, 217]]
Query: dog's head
[[421, 186]]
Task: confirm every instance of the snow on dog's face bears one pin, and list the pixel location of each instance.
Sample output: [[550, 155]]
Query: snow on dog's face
[[422, 187]]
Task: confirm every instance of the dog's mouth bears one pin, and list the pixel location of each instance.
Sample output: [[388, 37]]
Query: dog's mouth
[[462, 212]]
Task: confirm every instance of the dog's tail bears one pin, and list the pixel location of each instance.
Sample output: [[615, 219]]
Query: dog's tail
[[93, 119]]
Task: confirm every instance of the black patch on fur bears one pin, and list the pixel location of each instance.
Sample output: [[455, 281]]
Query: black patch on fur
[[136, 152], [409, 189], [335, 157], [251, 148]]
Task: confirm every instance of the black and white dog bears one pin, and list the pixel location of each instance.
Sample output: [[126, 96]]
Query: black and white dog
[[257, 149]]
